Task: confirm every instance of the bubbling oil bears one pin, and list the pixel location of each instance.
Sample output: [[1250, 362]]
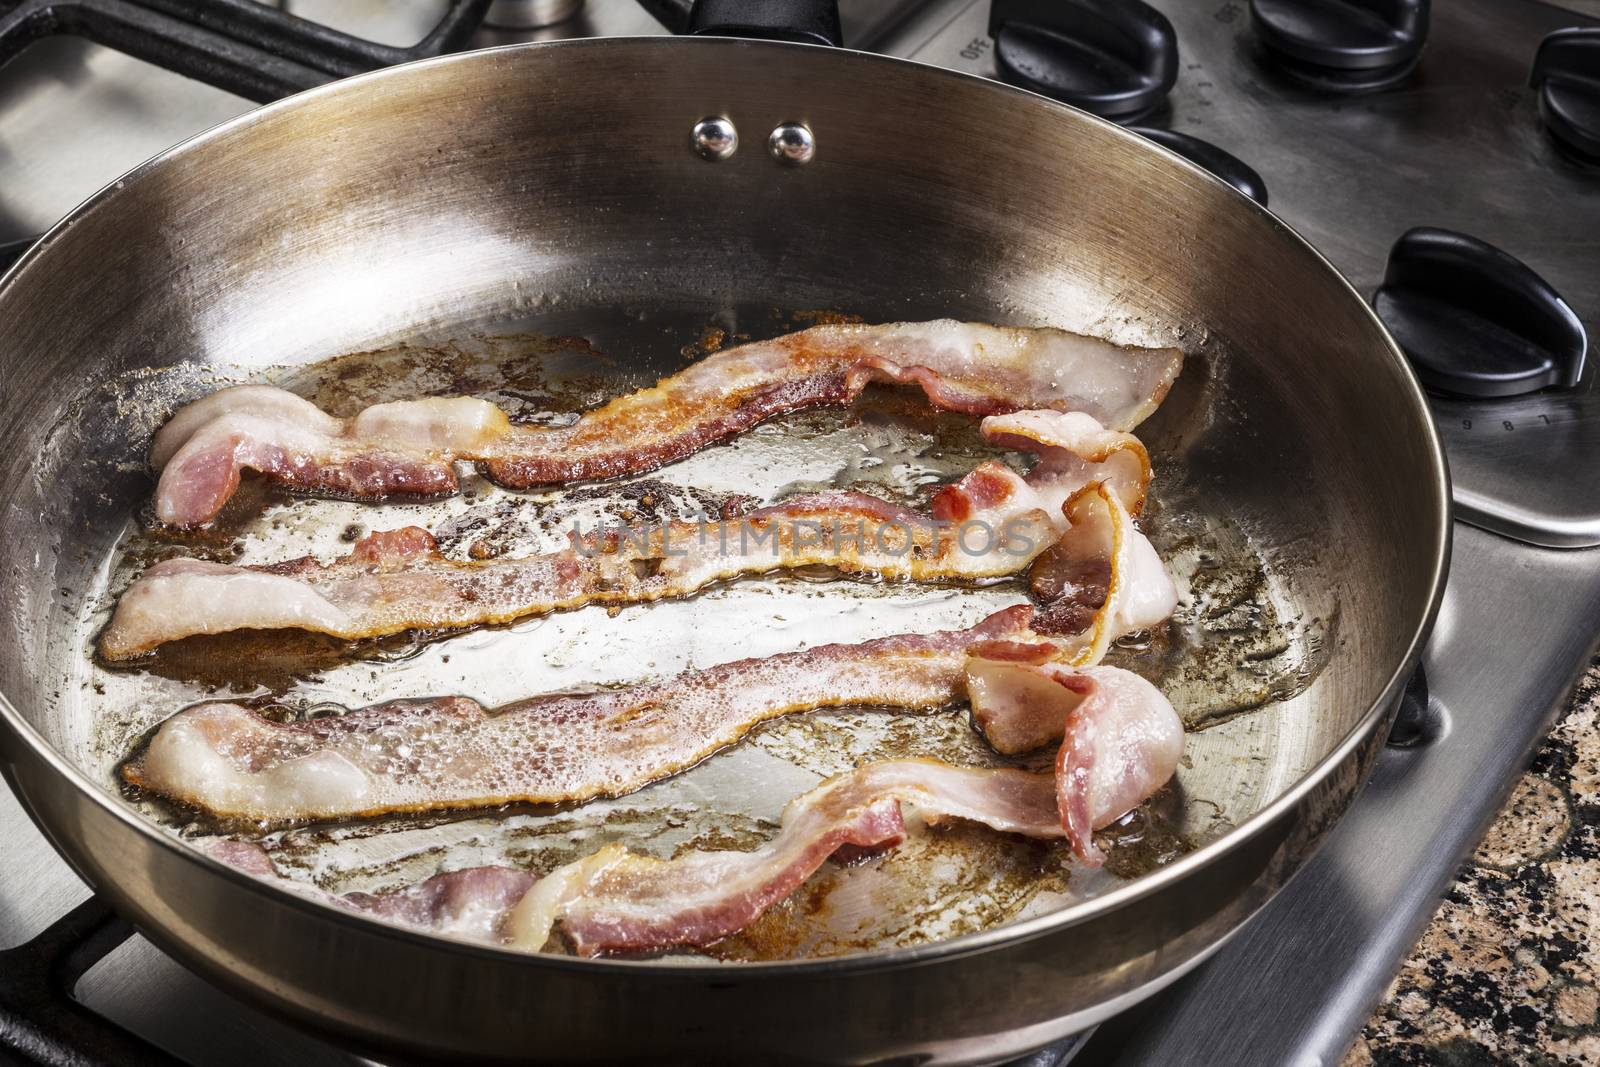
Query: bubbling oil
[[1236, 644]]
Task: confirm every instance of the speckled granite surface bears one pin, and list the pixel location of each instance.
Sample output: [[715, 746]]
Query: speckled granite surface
[[1509, 970]]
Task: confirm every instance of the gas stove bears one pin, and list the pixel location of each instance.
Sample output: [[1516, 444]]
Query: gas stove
[[1355, 132]]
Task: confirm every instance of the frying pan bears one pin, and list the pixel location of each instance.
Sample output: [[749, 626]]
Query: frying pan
[[555, 185]]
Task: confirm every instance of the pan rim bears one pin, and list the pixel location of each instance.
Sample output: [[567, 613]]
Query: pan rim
[[689, 968]]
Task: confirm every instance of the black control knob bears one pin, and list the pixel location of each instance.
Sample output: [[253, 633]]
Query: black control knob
[[1342, 46], [1566, 71], [805, 21], [1418, 720], [1115, 58], [1475, 321], [11, 251], [1207, 156]]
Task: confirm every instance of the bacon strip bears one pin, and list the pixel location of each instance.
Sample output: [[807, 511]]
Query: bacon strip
[[452, 753], [991, 523], [1100, 550], [409, 447], [1120, 738], [471, 904], [619, 901]]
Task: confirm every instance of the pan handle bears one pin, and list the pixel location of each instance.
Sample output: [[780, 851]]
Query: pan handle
[[803, 21]]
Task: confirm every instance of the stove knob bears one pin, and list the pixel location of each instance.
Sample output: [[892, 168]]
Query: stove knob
[[1342, 46], [11, 251], [1474, 321], [1207, 156], [1418, 720], [1566, 71], [1114, 58], [805, 21]]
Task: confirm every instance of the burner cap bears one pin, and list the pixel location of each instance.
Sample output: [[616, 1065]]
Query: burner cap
[[1342, 46], [805, 21], [1113, 58]]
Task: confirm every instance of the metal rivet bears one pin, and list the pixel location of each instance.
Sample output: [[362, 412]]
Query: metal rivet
[[715, 138], [792, 143]]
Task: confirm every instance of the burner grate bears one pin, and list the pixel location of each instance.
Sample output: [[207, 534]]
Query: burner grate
[[241, 46], [41, 1022]]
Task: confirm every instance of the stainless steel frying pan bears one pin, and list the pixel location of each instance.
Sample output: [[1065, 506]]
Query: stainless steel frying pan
[[555, 186]]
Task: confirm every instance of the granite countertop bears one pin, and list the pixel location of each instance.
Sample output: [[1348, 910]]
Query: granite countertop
[[1508, 972]]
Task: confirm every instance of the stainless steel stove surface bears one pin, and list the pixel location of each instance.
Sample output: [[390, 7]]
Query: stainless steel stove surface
[[1458, 144]]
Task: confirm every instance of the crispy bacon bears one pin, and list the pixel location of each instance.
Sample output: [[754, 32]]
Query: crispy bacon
[[1120, 738], [619, 901], [991, 523], [409, 447]]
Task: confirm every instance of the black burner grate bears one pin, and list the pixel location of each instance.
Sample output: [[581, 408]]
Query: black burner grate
[[242, 46], [41, 1022]]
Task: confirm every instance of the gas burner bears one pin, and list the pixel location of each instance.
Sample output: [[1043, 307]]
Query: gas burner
[[1342, 46], [41, 1021]]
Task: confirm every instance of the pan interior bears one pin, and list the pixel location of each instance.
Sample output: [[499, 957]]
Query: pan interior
[[483, 261], [1243, 641]]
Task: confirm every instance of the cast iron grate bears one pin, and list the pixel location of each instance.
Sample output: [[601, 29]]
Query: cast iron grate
[[242, 46], [43, 1024]]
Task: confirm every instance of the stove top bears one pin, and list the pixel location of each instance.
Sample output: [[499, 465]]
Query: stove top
[[1461, 145], [1458, 142]]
